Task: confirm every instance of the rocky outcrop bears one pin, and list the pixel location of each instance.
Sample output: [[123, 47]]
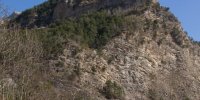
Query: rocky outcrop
[[54, 10], [72, 8], [146, 71]]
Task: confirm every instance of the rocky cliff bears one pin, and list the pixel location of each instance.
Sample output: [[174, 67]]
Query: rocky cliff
[[150, 58], [76, 7], [54, 10]]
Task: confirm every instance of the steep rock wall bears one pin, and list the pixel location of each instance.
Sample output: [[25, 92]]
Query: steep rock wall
[[66, 9]]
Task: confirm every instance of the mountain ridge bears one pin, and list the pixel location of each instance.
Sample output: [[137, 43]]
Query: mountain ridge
[[60, 9]]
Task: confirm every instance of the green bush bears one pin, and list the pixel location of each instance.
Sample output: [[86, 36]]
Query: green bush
[[176, 36], [113, 91]]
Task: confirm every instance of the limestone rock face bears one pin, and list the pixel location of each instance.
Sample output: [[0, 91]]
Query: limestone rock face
[[155, 1], [71, 8], [55, 10]]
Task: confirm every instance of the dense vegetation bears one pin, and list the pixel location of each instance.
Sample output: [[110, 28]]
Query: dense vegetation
[[90, 30]]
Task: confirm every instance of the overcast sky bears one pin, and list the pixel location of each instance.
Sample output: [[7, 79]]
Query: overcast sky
[[187, 12]]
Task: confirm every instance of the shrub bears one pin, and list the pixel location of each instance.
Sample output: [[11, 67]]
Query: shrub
[[193, 41], [82, 95], [176, 36], [167, 9], [148, 3], [113, 91], [59, 64], [94, 70]]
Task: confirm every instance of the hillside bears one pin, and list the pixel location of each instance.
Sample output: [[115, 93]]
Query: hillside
[[98, 50]]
